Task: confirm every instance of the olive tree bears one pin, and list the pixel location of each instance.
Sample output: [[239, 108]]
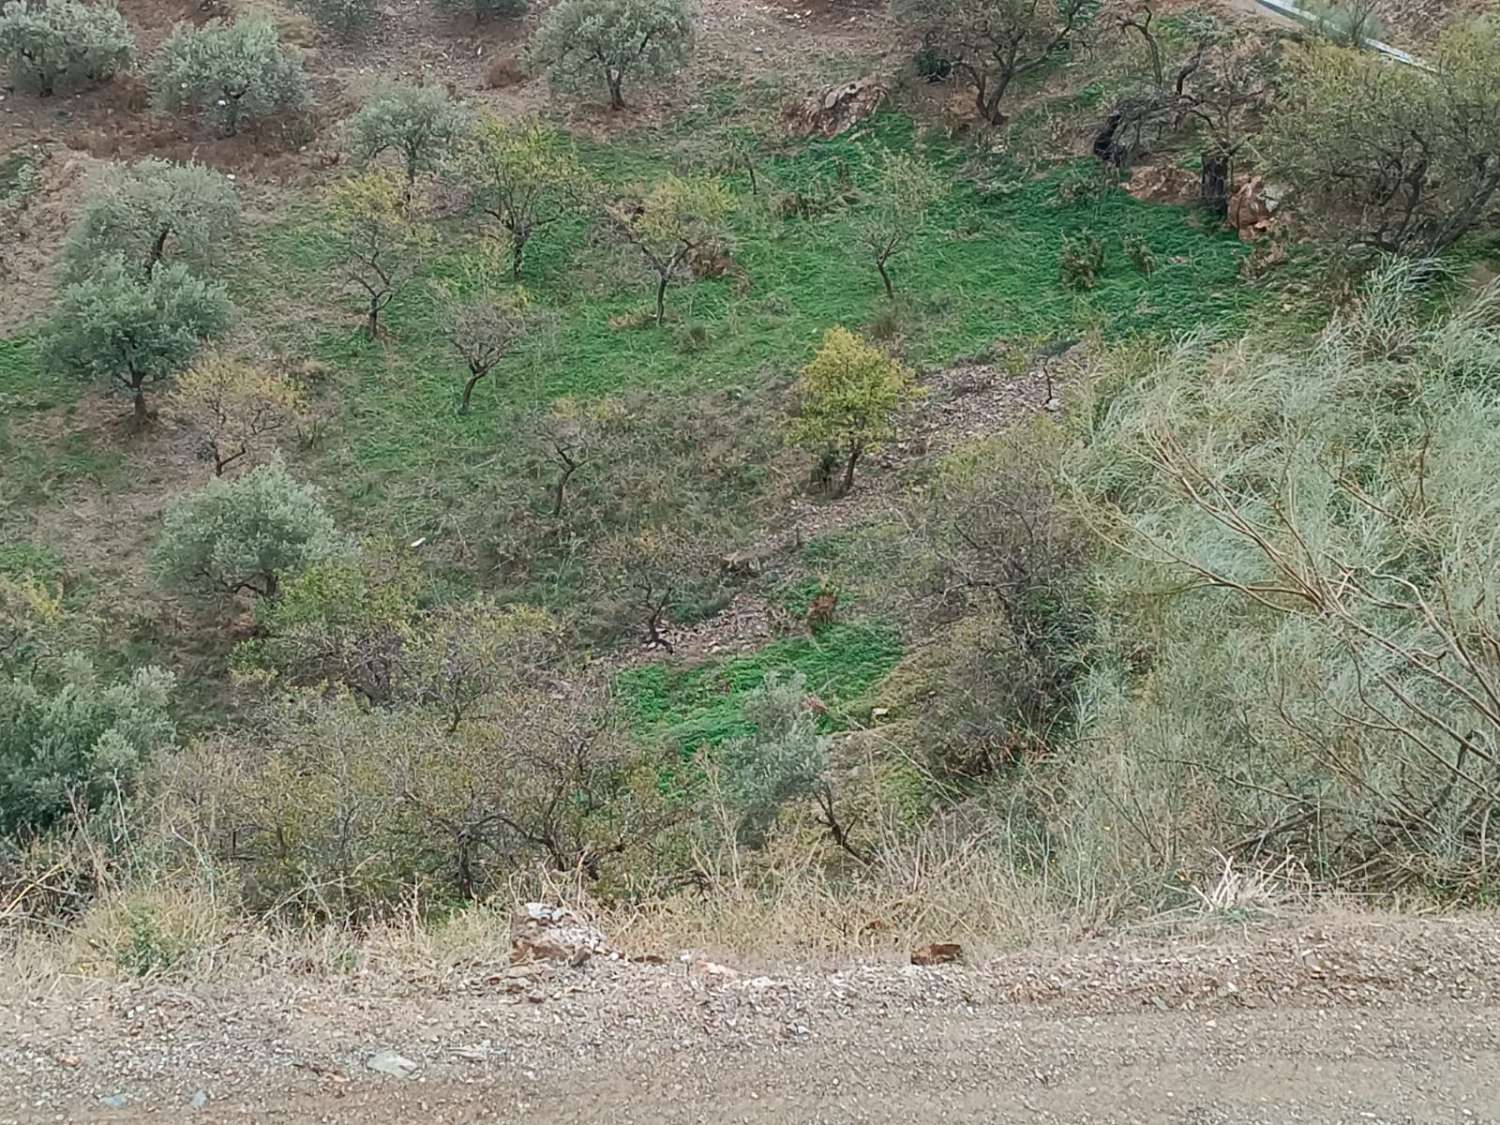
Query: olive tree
[[232, 73], [151, 211], [898, 210], [420, 124], [991, 43], [672, 220], [244, 533], [523, 174], [1216, 82], [63, 41], [234, 407], [583, 44], [129, 332], [848, 397], [1403, 160]]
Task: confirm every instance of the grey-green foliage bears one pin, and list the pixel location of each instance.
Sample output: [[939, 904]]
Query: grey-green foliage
[[784, 760], [596, 44], [346, 18], [232, 73], [63, 42], [130, 331], [150, 212], [244, 533], [69, 740], [1305, 609], [420, 124]]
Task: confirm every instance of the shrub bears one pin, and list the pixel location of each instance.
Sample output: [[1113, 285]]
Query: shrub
[[150, 212], [69, 741], [420, 124], [849, 396], [784, 760], [348, 807], [1081, 260], [244, 534], [584, 44], [130, 332], [1392, 157], [232, 73], [346, 18], [63, 41]]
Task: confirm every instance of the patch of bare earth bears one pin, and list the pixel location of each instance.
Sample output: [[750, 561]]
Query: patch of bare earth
[[1326, 1019]]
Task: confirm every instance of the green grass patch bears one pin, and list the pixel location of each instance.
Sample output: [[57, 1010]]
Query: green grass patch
[[985, 268], [30, 559], [704, 704]]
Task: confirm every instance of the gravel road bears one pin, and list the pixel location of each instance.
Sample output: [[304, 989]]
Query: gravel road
[[1333, 1020]]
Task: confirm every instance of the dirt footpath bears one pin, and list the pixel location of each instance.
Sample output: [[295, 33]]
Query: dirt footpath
[[1319, 1021]]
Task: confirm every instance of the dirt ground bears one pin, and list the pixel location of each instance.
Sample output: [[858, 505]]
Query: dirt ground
[[1320, 1019]]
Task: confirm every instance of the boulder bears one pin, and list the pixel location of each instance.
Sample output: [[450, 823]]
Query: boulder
[[542, 932], [836, 109], [1250, 209]]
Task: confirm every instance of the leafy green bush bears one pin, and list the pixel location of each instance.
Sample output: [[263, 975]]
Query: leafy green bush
[[150, 212], [244, 534], [586, 44], [63, 41], [115, 327], [232, 73], [70, 741]]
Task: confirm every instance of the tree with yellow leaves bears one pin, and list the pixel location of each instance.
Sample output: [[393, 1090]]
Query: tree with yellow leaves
[[676, 217], [850, 395], [384, 238], [524, 176], [234, 406]]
